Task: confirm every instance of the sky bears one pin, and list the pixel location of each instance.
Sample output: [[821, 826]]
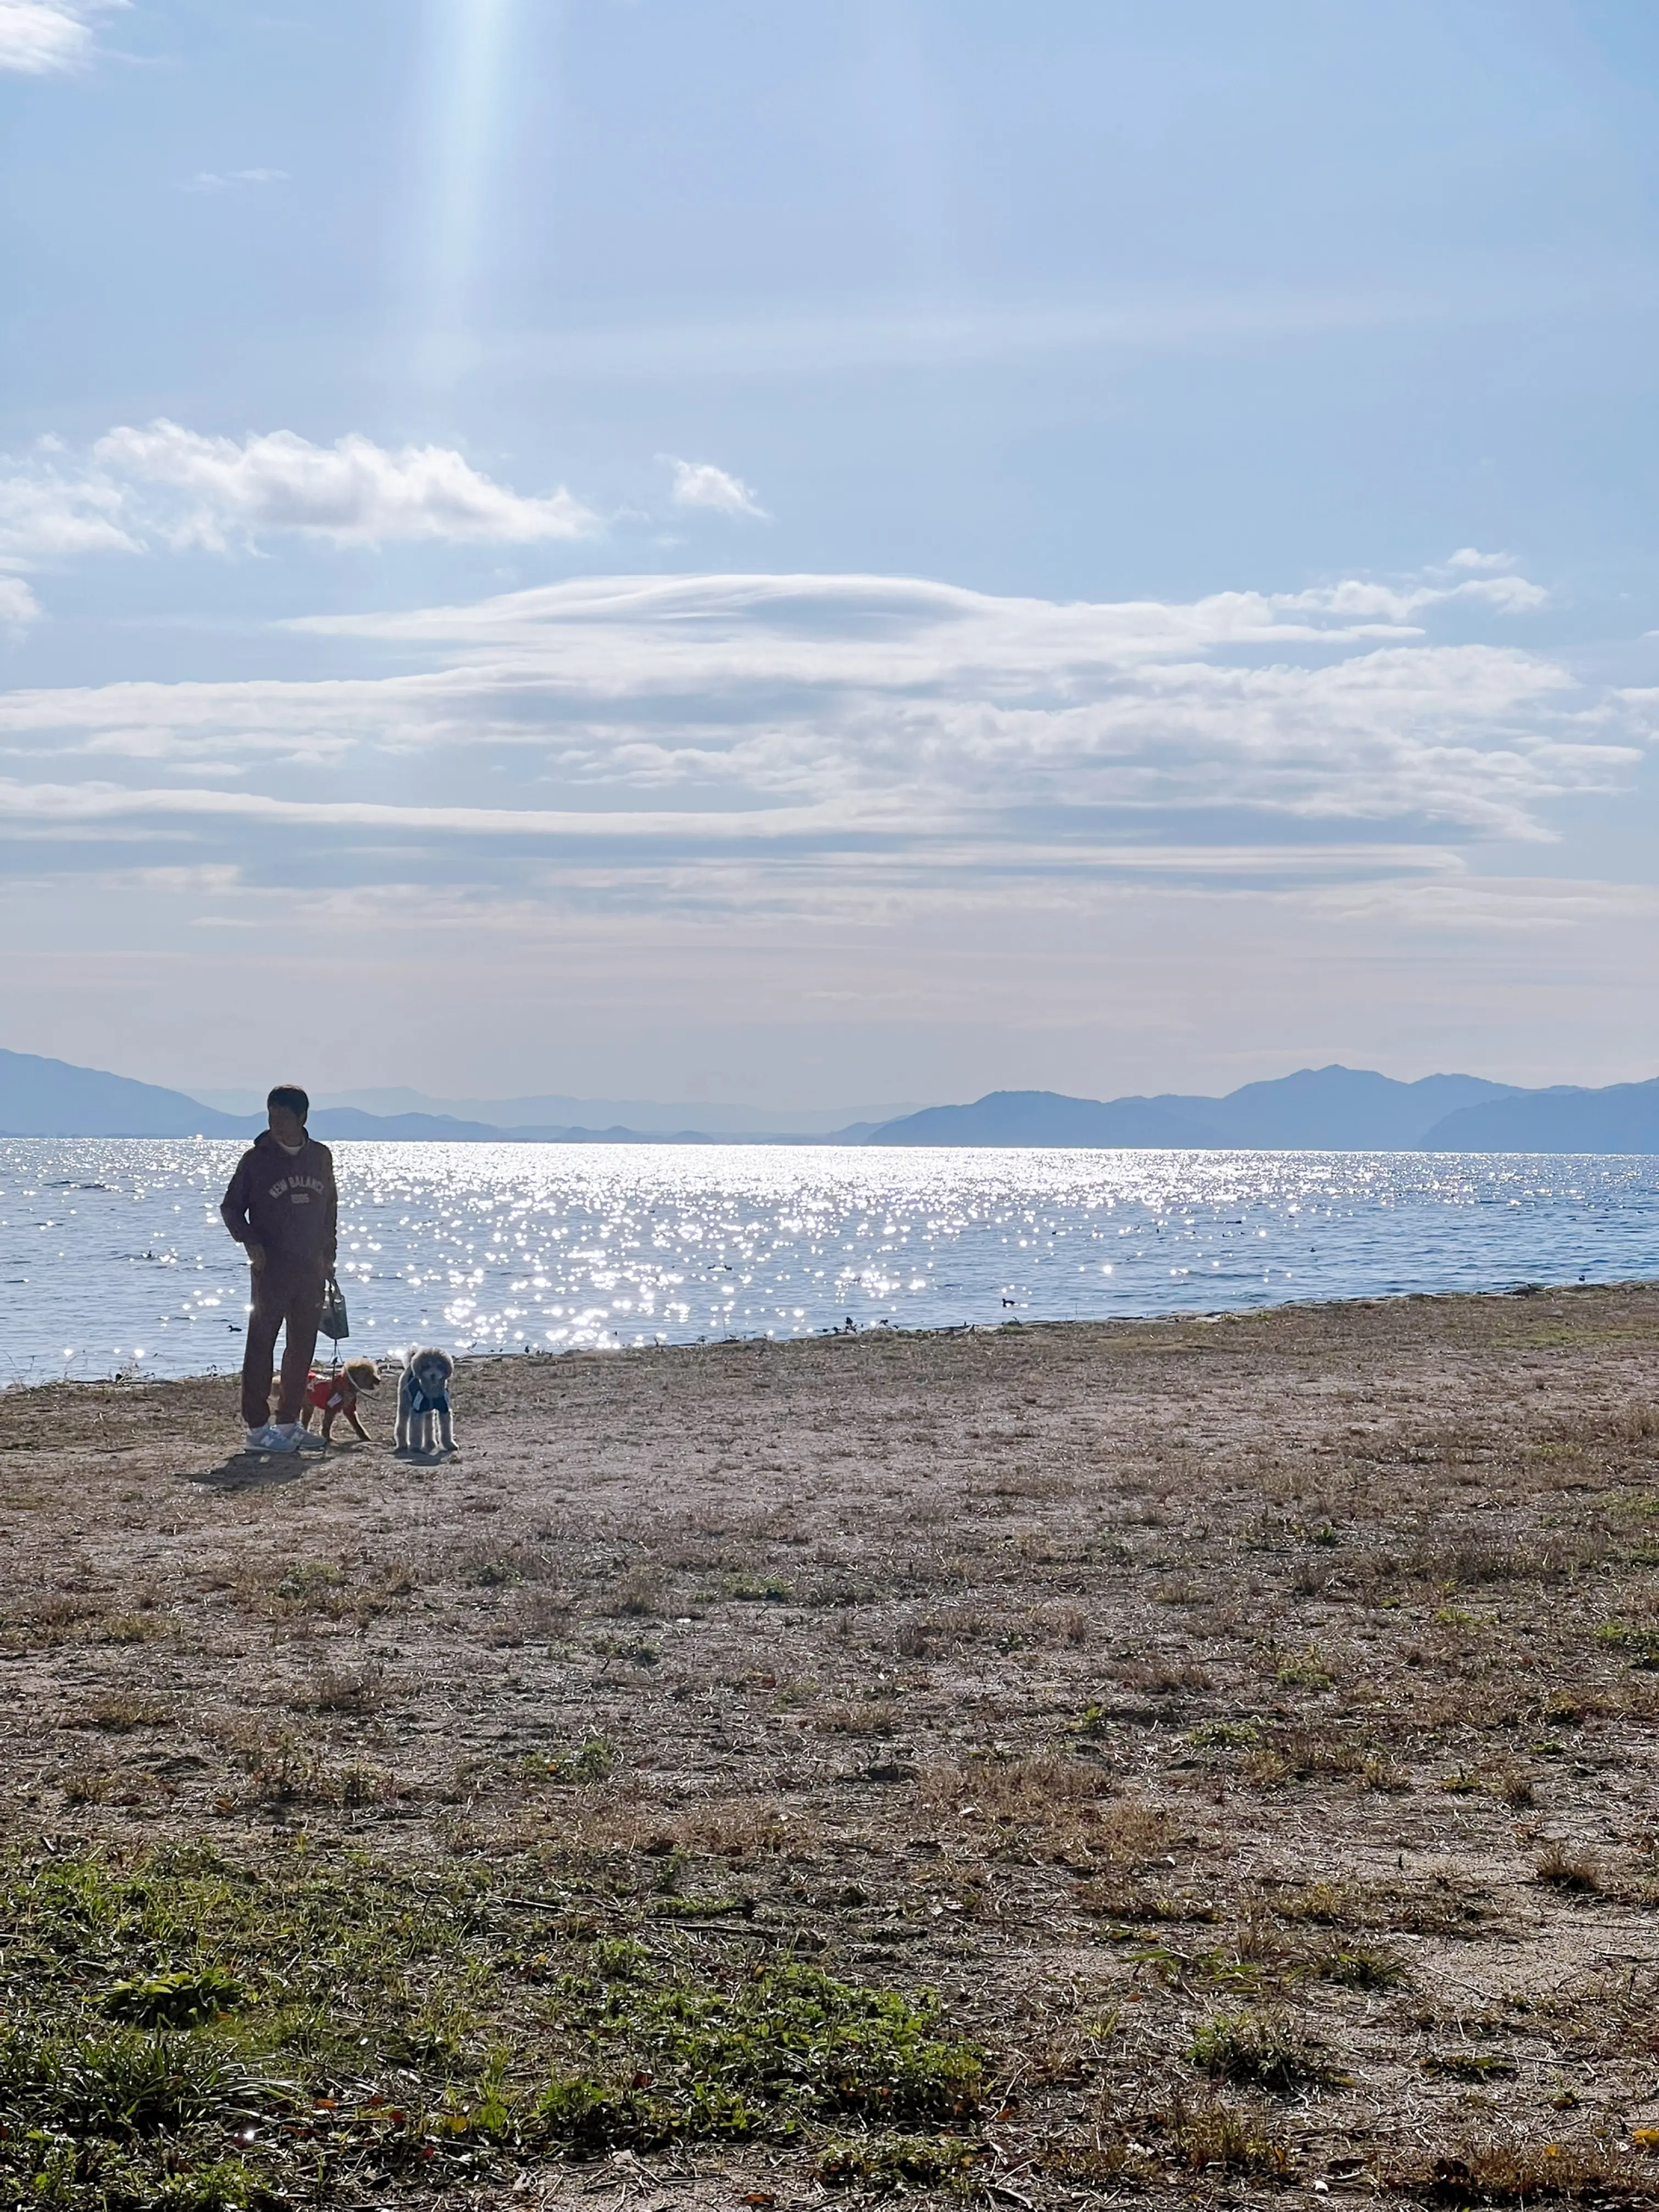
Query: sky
[[817, 551]]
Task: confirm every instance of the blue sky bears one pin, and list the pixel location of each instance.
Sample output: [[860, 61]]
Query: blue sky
[[838, 551]]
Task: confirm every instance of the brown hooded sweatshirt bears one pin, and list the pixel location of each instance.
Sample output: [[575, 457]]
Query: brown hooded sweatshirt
[[287, 1202]]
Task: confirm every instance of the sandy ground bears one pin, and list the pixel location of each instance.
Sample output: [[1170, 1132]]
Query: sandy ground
[[1113, 1680]]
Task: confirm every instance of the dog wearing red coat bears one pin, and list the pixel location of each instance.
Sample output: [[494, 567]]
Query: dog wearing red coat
[[333, 1396]]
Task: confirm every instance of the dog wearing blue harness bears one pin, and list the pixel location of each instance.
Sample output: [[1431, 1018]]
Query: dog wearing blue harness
[[424, 1422]]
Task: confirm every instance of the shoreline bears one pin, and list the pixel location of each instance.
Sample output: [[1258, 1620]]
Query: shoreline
[[1244, 1724], [921, 1332]]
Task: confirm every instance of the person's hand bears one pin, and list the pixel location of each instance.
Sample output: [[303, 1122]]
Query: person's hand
[[256, 1257]]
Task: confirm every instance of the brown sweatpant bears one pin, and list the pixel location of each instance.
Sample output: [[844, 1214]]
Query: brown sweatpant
[[290, 1300]]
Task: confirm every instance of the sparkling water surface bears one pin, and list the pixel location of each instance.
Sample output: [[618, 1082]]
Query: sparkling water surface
[[113, 1257]]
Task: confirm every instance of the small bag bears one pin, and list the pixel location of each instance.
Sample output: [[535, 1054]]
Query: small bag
[[333, 1321]]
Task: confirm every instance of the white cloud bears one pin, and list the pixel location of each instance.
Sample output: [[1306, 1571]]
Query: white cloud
[[211, 180], [894, 631], [880, 716], [18, 605], [98, 802], [1466, 556], [47, 513], [700, 483], [354, 492], [138, 490], [40, 38], [1491, 905]]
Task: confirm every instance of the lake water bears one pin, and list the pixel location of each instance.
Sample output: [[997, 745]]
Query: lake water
[[112, 1256]]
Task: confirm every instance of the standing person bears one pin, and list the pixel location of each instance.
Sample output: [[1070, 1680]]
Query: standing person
[[281, 1205]]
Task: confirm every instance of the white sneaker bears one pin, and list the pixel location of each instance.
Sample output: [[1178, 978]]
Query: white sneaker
[[270, 1439], [259, 1439]]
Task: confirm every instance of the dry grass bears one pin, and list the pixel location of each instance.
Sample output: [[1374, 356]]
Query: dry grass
[[353, 1690], [125, 1710], [1242, 1726], [1576, 1872]]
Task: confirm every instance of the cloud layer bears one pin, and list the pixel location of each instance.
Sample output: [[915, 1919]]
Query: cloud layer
[[792, 810], [864, 730]]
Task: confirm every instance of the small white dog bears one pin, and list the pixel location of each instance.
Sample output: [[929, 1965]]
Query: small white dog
[[424, 1425]]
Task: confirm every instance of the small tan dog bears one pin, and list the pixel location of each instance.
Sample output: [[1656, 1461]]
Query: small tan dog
[[331, 1395]]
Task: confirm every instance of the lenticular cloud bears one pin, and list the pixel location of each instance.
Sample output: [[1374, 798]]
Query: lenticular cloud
[[710, 712]]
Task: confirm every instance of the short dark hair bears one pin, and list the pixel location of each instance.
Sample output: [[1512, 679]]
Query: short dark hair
[[291, 1096]]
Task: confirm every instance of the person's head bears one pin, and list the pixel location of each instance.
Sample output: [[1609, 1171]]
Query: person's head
[[287, 1106]]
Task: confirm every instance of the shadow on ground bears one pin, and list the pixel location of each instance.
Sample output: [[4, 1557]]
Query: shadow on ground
[[246, 1470]]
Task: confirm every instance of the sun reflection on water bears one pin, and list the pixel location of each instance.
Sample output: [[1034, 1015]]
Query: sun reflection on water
[[108, 1245]]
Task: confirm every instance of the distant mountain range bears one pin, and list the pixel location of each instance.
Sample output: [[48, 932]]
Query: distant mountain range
[[639, 1116], [53, 1098], [1319, 1110], [1622, 1118], [1339, 1109]]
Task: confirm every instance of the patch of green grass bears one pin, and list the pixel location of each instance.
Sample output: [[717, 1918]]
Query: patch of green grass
[[638, 1651], [758, 1589], [702, 1908], [1358, 1966], [619, 1958], [1225, 1735], [1639, 1646], [787, 2045], [183, 1999], [595, 1761], [1469, 2066], [190, 2033], [1263, 2049], [125, 2084], [890, 2163]]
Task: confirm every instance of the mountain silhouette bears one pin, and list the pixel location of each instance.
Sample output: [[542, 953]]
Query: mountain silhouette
[[1318, 1109], [1622, 1118], [52, 1099]]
